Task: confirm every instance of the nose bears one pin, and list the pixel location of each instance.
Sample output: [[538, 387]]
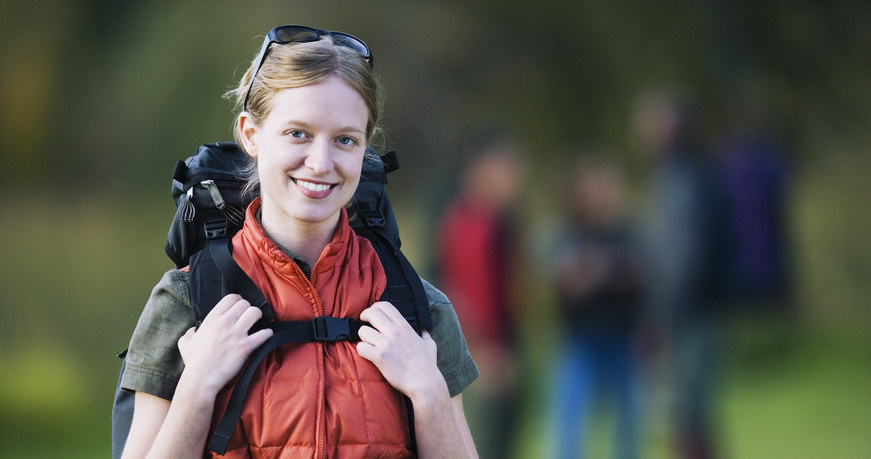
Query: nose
[[319, 158]]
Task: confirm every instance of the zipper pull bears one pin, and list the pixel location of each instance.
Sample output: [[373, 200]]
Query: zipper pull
[[233, 214], [188, 211]]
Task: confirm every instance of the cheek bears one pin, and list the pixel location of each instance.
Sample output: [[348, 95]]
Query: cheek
[[354, 169], [265, 165], [351, 173], [277, 160]]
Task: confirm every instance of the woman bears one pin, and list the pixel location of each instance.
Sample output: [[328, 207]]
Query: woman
[[309, 106]]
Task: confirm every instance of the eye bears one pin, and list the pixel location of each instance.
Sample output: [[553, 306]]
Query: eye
[[297, 134], [346, 140]]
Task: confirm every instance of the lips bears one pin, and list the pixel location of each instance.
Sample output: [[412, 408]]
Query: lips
[[316, 190]]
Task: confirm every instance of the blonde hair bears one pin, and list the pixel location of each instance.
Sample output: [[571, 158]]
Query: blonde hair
[[293, 65]]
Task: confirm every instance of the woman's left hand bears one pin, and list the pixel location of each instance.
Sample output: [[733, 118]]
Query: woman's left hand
[[410, 364], [407, 361]]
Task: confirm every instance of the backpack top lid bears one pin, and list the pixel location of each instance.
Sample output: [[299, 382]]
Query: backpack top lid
[[207, 190], [221, 161]]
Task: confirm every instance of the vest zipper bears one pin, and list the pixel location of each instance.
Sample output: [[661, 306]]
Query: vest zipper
[[321, 445]]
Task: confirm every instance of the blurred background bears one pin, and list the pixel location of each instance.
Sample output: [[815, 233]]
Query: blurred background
[[650, 101]]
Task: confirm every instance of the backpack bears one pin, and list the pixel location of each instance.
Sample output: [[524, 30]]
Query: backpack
[[210, 206]]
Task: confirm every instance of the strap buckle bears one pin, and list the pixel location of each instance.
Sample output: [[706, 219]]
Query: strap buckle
[[374, 218], [332, 329], [215, 228]]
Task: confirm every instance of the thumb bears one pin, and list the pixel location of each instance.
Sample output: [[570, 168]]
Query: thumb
[[428, 341], [186, 337]]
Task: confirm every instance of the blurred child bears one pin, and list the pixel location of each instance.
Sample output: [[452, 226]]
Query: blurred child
[[597, 280]]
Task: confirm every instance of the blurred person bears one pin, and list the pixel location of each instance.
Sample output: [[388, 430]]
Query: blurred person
[[753, 168], [477, 257], [598, 281], [309, 106], [683, 232]]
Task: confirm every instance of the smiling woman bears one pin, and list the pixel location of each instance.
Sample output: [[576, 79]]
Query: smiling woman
[[310, 104], [309, 154]]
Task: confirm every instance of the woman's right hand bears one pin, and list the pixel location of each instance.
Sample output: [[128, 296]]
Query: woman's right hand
[[214, 353]]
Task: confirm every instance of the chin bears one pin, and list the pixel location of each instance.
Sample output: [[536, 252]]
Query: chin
[[315, 217]]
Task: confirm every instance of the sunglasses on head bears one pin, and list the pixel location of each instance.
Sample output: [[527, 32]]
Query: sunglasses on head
[[304, 34]]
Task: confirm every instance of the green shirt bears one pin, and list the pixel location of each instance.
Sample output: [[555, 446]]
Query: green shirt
[[154, 364]]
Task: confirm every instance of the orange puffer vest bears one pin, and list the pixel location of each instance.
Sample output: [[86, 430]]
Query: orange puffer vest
[[316, 399]]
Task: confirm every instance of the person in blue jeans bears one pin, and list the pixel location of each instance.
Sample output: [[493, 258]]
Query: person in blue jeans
[[597, 279]]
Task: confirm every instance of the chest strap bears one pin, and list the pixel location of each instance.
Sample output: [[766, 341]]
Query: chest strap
[[217, 265], [320, 329]]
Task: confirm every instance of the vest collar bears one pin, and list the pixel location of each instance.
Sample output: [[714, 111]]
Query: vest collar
[[255, 239]]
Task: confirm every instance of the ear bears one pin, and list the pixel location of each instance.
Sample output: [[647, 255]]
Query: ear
[[248, 133]]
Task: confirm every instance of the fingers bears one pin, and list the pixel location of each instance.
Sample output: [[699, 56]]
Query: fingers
[[233, 310], [385, 325], [392, 345], [259, 337], [366, 350], [219, 347], [386, 328], [226, 304], [428, 342], [229, 309], [250, 315], [382, 314], [371, 336]]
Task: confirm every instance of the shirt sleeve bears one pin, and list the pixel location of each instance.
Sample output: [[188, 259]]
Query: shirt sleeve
[[454, 360], [154, 364]]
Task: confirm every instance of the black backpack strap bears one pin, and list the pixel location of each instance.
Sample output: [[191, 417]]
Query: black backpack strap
[[324, 329], [214, 274], [372, 217], [409, 296], [207, 286], [404, 287], [237, 281]]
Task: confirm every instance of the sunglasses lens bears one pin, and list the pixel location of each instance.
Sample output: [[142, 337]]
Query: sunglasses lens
[[352, 42], [296, 33], [290, 34]]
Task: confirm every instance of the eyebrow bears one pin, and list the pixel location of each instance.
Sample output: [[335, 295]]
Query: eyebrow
[[305, 125]]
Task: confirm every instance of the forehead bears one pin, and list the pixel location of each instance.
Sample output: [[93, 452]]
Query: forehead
[[328, 102]]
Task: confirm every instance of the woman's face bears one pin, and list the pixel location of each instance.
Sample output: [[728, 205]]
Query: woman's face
[[309, 152]]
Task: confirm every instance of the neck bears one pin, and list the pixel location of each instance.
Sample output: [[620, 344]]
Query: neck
[[303, 239]]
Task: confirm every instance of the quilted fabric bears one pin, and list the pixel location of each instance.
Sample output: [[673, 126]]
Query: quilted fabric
[[316, 399]]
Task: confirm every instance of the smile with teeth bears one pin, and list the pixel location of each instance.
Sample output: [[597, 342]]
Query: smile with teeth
[[316, 187]]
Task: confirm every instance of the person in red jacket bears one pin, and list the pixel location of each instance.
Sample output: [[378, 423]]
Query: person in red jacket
[[309, 105], [477, 257]]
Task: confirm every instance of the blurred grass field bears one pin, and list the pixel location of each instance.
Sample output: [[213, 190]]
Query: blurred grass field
[[790, 395]]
